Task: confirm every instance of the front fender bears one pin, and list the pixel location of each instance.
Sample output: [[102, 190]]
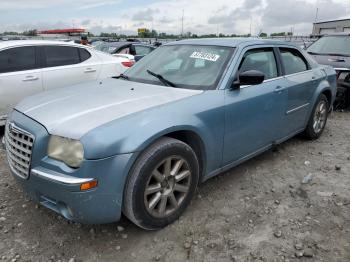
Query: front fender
[[134, 133]]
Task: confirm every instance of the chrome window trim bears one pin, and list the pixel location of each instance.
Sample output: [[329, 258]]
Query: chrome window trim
[[265, 81], [58, 177], [299, 73], [297, 108]]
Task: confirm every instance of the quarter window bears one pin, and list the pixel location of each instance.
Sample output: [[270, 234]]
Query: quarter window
[[61, 55], [293, 61], [262, 60], [84, 54], [17, 59]]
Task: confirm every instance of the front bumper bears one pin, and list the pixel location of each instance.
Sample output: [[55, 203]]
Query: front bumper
[[57, 186], [61, 192]]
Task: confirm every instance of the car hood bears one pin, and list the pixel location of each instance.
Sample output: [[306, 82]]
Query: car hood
[[74, 111]]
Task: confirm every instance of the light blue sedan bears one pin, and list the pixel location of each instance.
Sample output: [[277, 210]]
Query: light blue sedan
[[141, 144]]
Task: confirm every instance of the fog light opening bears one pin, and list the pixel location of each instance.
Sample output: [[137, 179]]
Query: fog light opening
[[88, 185]]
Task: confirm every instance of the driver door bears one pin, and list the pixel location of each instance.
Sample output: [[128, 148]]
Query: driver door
[[254, 114]]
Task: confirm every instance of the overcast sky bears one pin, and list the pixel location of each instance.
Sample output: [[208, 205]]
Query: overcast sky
[[200, 16]]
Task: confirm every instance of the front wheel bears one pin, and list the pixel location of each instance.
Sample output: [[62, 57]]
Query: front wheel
[[161, 184], [318, 118]]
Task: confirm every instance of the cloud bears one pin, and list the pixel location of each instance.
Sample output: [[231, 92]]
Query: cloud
[[200, 16], [146, 15], [39, 4]]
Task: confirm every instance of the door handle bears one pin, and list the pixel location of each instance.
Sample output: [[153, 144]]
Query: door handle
[[279, 89], [30, 78], [336, 60], [90, 70]]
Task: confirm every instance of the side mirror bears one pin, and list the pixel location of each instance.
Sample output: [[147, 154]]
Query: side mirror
[[251, 77]]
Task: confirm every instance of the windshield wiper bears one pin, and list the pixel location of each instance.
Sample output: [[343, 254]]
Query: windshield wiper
[[161, 78], [123, 77]]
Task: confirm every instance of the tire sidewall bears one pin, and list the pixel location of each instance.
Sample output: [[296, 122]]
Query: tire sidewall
[[310, 128], [143, 173]]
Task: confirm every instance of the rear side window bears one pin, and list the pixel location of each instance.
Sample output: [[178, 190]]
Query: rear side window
[[293, 61], [262, 60], [84, 54], [17, 59], [61, 55]]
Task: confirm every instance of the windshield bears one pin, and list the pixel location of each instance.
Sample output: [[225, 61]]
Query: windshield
[[186, 66], [331, 45], [107, 47]]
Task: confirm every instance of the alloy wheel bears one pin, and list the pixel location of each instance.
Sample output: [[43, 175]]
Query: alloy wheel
[[167, 187], [320, 117]]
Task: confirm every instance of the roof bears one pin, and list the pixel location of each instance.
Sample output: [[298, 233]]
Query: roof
[[63, 31], [330, 21], [230, 42], [5, 44]]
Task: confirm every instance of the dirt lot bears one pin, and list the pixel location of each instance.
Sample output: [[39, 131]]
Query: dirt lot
[[259, 211]]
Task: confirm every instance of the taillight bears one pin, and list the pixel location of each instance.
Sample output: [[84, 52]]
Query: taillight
[[128, 63]]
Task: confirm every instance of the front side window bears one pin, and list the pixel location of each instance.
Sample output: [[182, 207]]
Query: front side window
[[17, 59], [124, 51], [61, 55], [293, 61], [187, 66], [262, 60]]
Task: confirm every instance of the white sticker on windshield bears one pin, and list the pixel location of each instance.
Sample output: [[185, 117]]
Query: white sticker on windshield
[[205, 56]]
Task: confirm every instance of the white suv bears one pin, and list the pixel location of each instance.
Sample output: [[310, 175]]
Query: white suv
[[28, 67]]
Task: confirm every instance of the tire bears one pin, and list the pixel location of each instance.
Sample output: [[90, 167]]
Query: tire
[[318, 118], [151, 184]]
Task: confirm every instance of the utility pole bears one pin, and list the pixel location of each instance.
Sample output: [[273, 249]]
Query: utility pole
[[316, 18], [250, 29], [182, 22]]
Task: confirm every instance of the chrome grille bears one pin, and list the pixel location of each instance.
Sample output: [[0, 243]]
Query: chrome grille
[[19, 144]]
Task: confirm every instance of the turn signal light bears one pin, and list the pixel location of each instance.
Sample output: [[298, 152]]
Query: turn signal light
[[88, 185]]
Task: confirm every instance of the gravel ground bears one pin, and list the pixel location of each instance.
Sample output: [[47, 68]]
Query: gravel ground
[[289, 204]]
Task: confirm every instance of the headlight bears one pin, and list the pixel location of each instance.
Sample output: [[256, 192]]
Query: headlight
[[69, 151]]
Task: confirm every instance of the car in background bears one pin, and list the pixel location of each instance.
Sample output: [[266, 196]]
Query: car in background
[[28, 67], [134, 51], [334, 50], [186, 112]]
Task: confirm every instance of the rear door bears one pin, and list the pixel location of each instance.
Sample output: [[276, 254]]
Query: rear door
[[68, 65], [20, 76], [301, 82]]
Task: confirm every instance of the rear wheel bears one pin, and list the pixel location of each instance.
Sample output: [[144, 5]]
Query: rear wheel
[[161, 184], [318, 118]]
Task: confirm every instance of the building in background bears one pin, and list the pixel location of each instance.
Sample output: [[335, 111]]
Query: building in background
[[327, 27]]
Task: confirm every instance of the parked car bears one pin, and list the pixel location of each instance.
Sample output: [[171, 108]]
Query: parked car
[[134, 51], [28, 67], [188, 111], [334, 50]]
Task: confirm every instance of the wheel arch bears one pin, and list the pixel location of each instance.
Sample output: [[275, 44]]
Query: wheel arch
[[188, 135]]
